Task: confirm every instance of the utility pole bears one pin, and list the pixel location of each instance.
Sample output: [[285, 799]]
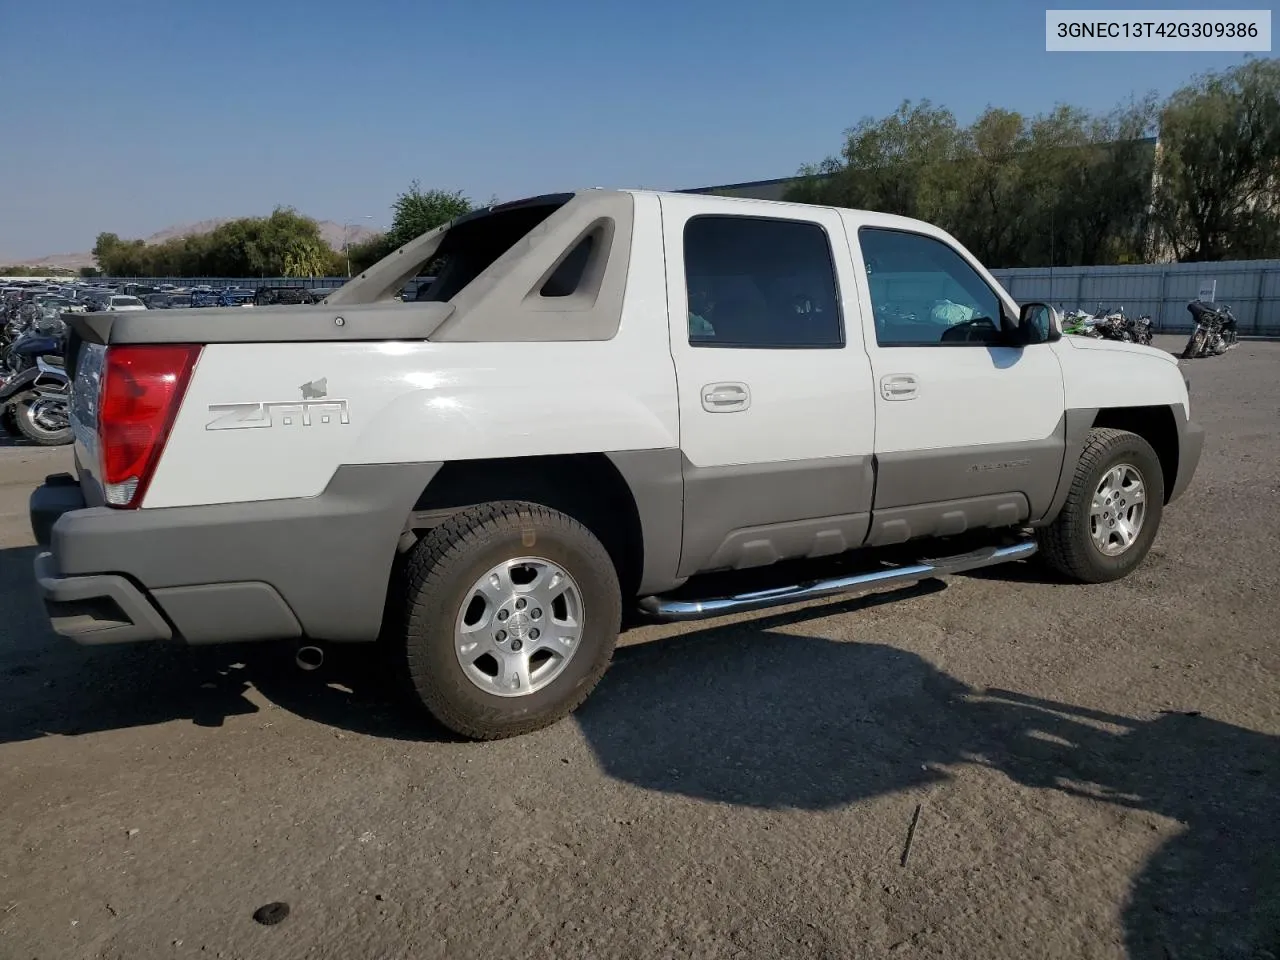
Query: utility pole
[[346, 240], [1053, 230]]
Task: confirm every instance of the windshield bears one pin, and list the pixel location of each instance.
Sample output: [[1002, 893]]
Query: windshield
[[125, 302]]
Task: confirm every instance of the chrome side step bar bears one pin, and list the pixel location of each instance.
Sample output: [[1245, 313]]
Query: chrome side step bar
[[670, 611]]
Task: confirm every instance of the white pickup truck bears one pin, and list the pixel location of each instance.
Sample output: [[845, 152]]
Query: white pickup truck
[[602, 397]]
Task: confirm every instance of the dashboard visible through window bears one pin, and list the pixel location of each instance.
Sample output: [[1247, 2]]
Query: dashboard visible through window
[[924, 293]]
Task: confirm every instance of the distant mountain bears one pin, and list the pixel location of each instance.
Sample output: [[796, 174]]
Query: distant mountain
[[67, 261], [333, 234]]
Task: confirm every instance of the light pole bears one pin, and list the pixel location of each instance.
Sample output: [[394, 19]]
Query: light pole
[[346, 240]]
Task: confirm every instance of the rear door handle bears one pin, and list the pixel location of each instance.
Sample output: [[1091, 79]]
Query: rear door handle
[[898, 386], [725, 397]]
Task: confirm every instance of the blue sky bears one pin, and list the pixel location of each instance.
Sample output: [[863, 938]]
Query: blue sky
[[132, 117]]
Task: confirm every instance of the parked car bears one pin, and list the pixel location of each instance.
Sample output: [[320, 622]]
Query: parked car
[[122, 302], [273, 296], [235, 297], [607, 400]]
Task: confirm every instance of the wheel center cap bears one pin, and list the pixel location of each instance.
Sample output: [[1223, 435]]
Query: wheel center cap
[[518, 625]]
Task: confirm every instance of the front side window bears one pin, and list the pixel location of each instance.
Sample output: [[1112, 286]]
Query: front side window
[[923, 293], [755, 282]]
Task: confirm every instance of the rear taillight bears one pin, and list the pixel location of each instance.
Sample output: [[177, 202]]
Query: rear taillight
[[142, 388]]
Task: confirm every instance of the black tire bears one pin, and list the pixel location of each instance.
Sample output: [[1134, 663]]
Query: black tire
[[1067, 544], [437, 578], [8, 424], [1194, 346], [31, 430]]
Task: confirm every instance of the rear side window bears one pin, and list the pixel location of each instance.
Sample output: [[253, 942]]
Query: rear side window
[[755, 282], [566, 278]]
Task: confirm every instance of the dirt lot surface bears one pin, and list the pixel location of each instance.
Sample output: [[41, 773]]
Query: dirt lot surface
[[1096, 772]]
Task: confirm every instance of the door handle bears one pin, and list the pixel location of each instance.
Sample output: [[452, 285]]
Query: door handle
[[725, 397], [898, 386]]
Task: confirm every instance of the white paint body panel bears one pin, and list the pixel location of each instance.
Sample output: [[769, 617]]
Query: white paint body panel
[[430, 401], [966, 395], [413, 402], [804, 403], [1107, 373]]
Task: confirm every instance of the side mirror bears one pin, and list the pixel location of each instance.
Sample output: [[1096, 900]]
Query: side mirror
[[1038, 323]]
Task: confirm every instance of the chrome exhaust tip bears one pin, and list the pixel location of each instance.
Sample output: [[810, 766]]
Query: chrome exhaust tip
[[309, 658]]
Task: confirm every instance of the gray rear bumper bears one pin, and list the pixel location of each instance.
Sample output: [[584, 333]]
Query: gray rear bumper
[[316, 567], [105, 608]]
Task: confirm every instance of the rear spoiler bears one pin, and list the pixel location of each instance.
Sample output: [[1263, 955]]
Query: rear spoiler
[[304, 323]]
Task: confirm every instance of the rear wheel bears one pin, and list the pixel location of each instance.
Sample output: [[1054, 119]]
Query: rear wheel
[[42, 420], [8, 423], [1112, 512], [510, 615]]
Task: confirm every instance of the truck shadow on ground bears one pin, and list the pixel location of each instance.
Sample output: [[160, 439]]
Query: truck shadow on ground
[[750, 716], [50, 686]]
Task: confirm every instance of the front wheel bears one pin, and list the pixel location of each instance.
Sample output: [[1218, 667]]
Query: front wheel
[[1112, 512], [42, 420], [1194, 345], [510, 615]]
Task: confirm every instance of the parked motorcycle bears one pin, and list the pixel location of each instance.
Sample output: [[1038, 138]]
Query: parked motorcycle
[[1114, 325], [1215, 331], [1108, 325], [1141, 330], [35, 392], [1080, 324]]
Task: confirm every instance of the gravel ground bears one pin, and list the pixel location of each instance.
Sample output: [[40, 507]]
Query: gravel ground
[[1092, 772]]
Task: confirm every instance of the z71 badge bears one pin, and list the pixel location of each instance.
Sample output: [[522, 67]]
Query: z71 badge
[[284, 413]]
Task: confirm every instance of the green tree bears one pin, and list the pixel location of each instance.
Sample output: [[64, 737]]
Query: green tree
[[120, 258], [897, 164], [39, 270], [416, 212], [282, 244], [1104, 199], [983, 188], [109, 251], [366, 253], [1218, 174], [1064, 187], [306, 259]]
